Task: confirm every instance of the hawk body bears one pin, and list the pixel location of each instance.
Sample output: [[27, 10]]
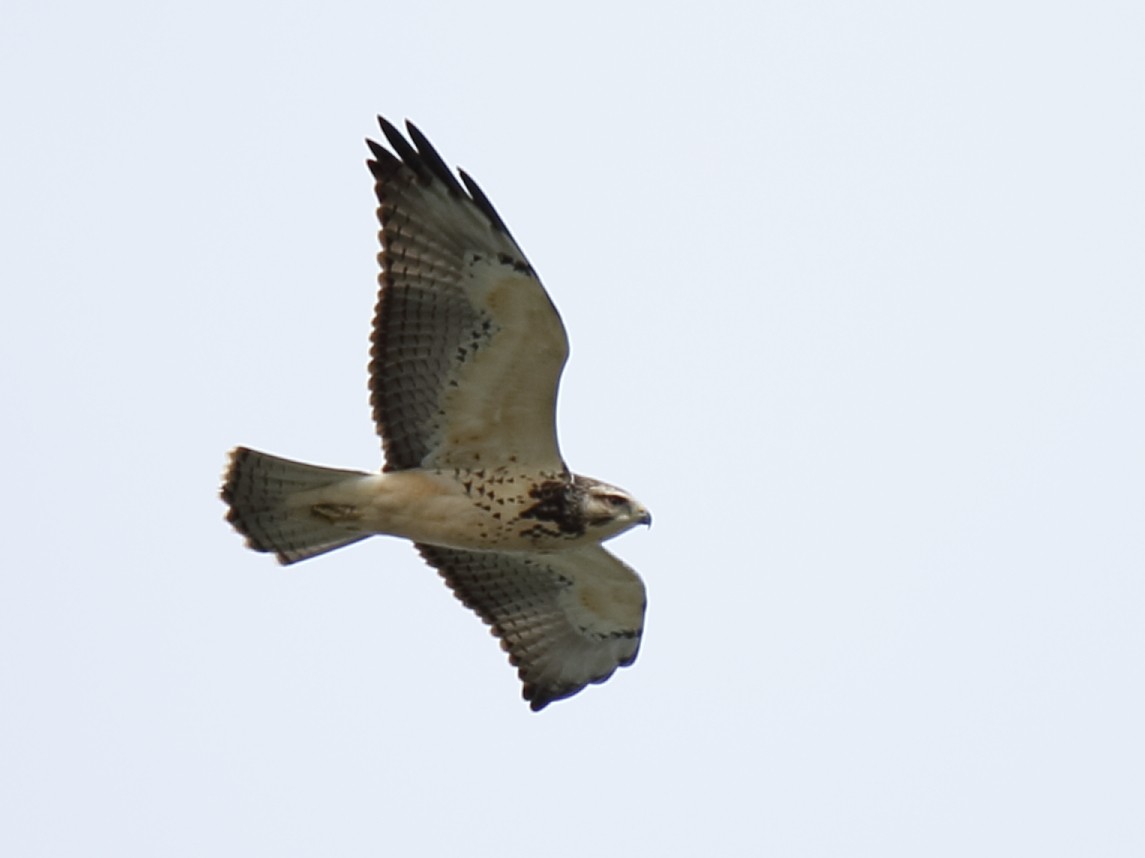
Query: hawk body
[[467, 352]]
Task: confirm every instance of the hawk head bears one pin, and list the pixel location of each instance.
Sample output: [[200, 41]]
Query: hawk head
[[608, 510], [581, 506]]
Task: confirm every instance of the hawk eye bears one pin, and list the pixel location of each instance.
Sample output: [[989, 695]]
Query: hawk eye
[[615, 500]]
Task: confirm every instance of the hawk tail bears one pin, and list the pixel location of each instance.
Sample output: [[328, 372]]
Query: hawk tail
[[258, 488]]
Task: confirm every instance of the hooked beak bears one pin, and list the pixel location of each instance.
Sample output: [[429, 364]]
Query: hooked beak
[[646, 518]]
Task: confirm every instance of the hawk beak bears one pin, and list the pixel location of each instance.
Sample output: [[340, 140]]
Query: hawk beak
[[646, 518]]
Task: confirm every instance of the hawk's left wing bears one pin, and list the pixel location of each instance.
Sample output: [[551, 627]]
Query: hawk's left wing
[[566, 618]]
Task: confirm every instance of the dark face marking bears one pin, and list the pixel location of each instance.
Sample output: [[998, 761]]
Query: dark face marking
[[559, 502]]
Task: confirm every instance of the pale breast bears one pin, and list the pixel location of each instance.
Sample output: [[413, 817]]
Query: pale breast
[[476, 509]]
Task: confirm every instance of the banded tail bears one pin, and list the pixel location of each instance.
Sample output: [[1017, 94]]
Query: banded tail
[[258, 489]]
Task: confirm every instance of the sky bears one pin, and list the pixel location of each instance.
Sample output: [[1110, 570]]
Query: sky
[[855, 294]]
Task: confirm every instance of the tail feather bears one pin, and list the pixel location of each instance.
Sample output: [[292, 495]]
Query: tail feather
[[257, 488]]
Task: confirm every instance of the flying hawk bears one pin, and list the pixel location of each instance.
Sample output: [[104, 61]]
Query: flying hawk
[[466, 358]]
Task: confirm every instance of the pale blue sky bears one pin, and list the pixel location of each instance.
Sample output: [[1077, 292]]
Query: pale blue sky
[[856, 295]]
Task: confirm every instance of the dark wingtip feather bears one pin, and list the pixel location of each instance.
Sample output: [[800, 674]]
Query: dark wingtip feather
[[390, 131], [433, 161], [427, 165], [383, 161], [537, 698], [482, 202], [404, 150], [377, 150]]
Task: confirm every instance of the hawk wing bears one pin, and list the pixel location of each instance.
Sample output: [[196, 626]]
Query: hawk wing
[[467, 347], [566, 618]]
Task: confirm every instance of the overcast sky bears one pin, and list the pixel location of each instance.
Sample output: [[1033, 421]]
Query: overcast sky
[[856, 296]]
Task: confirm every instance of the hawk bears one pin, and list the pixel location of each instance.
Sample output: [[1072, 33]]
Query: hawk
[[467, 352]]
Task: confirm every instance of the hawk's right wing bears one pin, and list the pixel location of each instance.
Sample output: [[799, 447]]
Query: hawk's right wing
[[467, 347]]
